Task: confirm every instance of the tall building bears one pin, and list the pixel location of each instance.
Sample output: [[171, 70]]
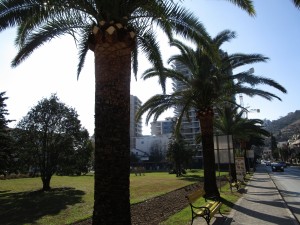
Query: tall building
[[190, 128], [163, 127], [135, 126], [144, 144]]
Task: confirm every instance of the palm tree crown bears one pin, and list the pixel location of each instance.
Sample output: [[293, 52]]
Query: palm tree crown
[[40, 21], [230, 120], [211, 80]]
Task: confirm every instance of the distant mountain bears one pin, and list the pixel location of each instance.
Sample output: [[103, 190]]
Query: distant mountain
[[285, 127]]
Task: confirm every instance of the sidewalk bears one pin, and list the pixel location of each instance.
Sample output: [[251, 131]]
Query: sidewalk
[[260, 205]]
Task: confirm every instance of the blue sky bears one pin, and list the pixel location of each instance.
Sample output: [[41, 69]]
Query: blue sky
[[273, 32]]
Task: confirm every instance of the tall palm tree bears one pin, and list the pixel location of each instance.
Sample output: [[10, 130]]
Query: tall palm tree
[[209, 84], [115, 30], [230, 120]]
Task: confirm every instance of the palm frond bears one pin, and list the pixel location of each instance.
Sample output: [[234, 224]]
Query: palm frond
[[187, 56], [156, 105], [13, 13], [150, 47], [246, 5], [251, 92], [230, 121], [184, 23], [238, 59], [223, 36], [253, 80], [134, 60], [184, 111], [297, 3], [44, 34], [83, 48]]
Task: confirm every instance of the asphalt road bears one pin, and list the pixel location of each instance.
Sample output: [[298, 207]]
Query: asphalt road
[[288, 184]]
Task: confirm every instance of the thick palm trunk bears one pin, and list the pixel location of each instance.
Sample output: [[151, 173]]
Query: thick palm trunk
[[112, 143], [206, 124]]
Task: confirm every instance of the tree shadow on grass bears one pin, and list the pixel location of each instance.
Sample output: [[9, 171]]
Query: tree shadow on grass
[[192, 178], [28, 207]]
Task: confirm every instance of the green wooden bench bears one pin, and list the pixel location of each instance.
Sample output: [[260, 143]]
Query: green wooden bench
[[211, 207], [233, 184]]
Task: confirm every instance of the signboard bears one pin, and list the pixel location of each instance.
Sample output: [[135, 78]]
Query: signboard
[[250, 154], [240, 168], [223, 149], [222, 156]]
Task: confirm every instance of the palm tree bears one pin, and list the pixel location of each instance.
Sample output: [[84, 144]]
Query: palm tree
[[115, 30], [230, 120], [209, 84]]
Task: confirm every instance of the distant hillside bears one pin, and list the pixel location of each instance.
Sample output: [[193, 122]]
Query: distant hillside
[[284, 127]]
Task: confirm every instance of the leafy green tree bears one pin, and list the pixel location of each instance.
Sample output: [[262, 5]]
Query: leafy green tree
[[133, 158], [273, 142], [156, 153], [274, 149], [80, 160], [6, 142], [47, 135], [211, 82], [179, 153]]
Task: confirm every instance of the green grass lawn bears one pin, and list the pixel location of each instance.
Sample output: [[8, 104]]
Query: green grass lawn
[[71, 197]]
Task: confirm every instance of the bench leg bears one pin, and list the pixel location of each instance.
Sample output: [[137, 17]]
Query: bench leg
[[206, 217]]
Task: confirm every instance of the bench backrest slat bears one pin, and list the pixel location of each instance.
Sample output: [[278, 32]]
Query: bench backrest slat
[[195, 195]]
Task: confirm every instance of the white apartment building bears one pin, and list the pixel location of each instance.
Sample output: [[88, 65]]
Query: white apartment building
[[190, 129], [135, 126], [163, 127], [145, 143]]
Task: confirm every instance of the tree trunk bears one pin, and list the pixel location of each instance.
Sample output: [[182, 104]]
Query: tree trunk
[[233, 172], [206, 124], [112, 140], [46, 182]]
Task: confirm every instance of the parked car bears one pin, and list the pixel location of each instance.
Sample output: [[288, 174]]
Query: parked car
[[277, 166], [283, 163], [268, 163]]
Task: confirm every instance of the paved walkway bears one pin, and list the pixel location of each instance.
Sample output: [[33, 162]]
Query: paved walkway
[[260, 205]]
